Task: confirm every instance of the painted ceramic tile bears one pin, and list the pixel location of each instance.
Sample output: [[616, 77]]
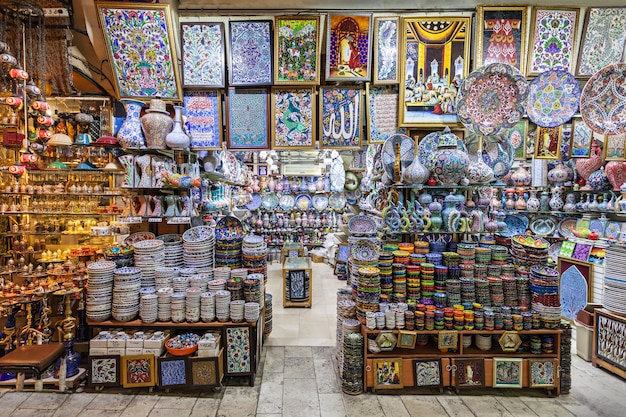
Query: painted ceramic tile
[[341, 117], [297, 50], [203, 54], [553, 40], [507, 373], [204, 372], [603, 41], [386, 50], [138, 371], [501, 36], [610, 340], [172, 372], [383, 113], [582, 136], [469, 373], [542, 373], [238, 355], [573, 291], [203, 119], [251, 52], [428, 373], [247, 119], [297, 285], [348, 47], [104, 370], [140, 49], [293, 122]]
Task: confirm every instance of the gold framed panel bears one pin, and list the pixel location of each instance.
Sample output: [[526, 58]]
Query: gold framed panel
[[614, 147], [386, 50], [548, 142], [294, 52]]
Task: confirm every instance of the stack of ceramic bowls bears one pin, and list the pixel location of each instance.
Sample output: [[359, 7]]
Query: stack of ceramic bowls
[[221, 273], [527, 251], [229, 238], [614, 283], [121, 255], [251, 312], [235, 286], [149, 307], [363, 252], [180, 284], [165, 304], [178, 307], [192, 305], [253, 289], [222, 305], [149, 255], [254, 255], [200, 281], [368, 291], [163, 276], [126, 285], [240, 273], [544, 289], [207, 307], [173, 246], [267, 324], [217, 284], [187, 272], [100, 290], [352, 366], [198, 248], [237, 310]]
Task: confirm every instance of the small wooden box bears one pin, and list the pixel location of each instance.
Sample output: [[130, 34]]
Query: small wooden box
[[292, 250], [297, 268]]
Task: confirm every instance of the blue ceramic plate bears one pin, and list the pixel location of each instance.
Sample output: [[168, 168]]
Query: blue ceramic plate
[[515, 225], [303, 201], [255, 203], [287, 201], [543, 225], [269, 201]]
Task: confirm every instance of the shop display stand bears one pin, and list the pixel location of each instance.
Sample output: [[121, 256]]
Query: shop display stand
[[297, 282], [609, 333]]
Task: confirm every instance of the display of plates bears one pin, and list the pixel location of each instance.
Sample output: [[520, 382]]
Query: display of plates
[[566, 227], [270, 201], [492, 98], [303, 201], [320, 202], [337, 201], [362, 224], [287, 201], [515, 225], [199, 234], [603, 101], [229, 228], [255, 203], [543, 225], [553, 98], [137, 237], [407, 152], [430, 143]]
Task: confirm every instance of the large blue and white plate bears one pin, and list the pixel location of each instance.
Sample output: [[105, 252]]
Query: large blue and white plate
[[515, 225], [269, 201], [287, 201], [255, 203], [320, 202]]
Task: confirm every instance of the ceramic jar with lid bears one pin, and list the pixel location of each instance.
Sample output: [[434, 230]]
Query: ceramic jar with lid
[[449, 163], [560, 174], [521, 177]]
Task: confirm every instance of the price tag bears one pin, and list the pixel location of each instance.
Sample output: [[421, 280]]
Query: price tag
[[130, 220], [179, 220], [155, 220]]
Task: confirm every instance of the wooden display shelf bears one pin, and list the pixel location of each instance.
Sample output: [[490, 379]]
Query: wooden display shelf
[[72, 382], [609, 332]]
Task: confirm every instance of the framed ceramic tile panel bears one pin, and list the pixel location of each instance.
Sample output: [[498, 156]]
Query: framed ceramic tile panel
[[609, 338], [250, 53], [203, 121], [517, 136], [543, 373], [388, 373], [470, 372], [582, 250], [293, 118], [172, 372], [138, 371], [341, 117], [407, 339], [104, 370], [203, 372], [238, 350], [582, 137], [247, 124], [141, 49], [604, 36], [553, 33], [548, 142], [501, 36], [386, 49], [202, 54], [434, 57], [575, 286], [297, 50], [614, 148], [382, 112], [448, 339], [428, 372], [507, 372], [348, 47]]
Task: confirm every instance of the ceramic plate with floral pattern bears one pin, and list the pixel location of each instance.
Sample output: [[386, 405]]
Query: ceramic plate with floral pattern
[[320, 202], [287, 201], [553, 98], [603, 101], [430, 143]]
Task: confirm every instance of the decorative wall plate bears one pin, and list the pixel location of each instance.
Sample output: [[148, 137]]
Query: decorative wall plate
[[255, 203], [337, 175], [613, 230], [407, 152], [303, 202], [543, 225], [337, 201], [361, 224], [603, 101], [364, 250], [270, 201], [492, 98], [287, 201], [553, 98], [320, 202], [515, 225], [497, 152], [566, 227]]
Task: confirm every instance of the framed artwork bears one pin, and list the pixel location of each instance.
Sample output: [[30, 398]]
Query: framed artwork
[[202, 54], [582, 251], [603, 40], [407, 339], [548, 142], [575, 286], [382, 108], [348, 46], [517, 136], [553, 32], [609, 337], [138, 371], [297, 50], [250, 58], [597, 255], [203, 119], [507, 372], [501, 36], [582, 137], [172, 372], [239, 350], [386, 48], [343, 253], [388, 373], [567, 249], [141, 49], [247, 124], [203, 372], [262, 170], [341, 117], [104, 370], [386, 340], [293, 118], [448, 339], [428, 372], [614, 148], [543, 373], [469, 372], [435, 57], [298, 285]]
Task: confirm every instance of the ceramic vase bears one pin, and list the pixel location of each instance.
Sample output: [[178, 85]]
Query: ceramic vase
[[560, 174], [478, 172], [598, 180], [570, 203], [521, 177], [544, 201], [532, 204], [616, 173], [156, 124], [449, 163], [587, 166], [449, 208], [177, 139], [416, 173], [143, 162], [556, 202], [435, 216], [130, 134], [131, 177]]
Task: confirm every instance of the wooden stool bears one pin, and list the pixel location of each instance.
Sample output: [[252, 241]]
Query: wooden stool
[[31, 358]]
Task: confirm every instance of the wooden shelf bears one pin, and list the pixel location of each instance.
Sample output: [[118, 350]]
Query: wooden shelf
[[165, 324]]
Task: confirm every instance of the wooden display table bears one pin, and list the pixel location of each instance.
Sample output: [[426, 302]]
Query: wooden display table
[[609, 333], [291, 250], [297, 282]]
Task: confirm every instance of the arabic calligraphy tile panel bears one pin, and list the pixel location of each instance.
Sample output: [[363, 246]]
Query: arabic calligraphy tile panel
[[340, 117], [247, 119], [553, 40], [251, 52], [604, 39], [203, 111], [140, 49], [293, 118], [238, 350], [297, 49], [203, 54], [383, 113]]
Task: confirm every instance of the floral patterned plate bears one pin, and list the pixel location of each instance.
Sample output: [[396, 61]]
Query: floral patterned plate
[[492, 98], [515, 225], [287, 201], [364, 250], [361, 224], [255, 203], [270, 201], [337, 201], [320, 202], [566, 227], [553, 98], [603, 101], [543, 225], [303, 202], [138, 237]]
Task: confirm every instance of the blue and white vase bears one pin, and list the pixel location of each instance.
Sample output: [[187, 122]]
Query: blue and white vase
[[130, 134]]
